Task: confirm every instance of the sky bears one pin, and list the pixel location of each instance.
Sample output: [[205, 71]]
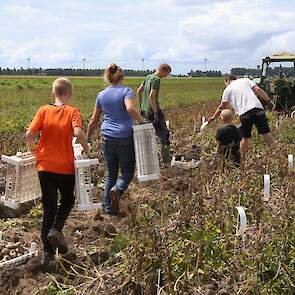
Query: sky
[[183, 33]]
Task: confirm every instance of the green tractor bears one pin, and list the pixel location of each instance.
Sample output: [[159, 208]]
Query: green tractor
[[281, 89]]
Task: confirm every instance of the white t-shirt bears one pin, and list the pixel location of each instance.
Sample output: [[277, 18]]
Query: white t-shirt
[[240, 96]]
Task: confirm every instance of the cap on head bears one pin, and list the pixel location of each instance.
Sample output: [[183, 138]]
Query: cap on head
[[226, 115], [62, 87]]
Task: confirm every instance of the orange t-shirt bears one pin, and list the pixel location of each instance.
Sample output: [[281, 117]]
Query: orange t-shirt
[[54, 151]]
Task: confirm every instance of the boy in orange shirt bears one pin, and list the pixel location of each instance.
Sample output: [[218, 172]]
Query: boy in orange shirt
[[57, 123]]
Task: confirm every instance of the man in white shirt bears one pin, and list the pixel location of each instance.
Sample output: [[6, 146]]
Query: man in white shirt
[[241, 95]]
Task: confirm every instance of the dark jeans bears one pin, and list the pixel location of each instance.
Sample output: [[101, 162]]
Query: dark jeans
[[53, 216], [161, 128], [119, 154]]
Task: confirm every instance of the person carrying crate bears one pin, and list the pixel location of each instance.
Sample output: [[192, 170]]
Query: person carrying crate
[[148, 95], [116, 103], [56, 123]]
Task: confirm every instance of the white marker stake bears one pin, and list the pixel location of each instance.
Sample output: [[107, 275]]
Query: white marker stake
[[173, 161], [203, 126], [159, 281], [203, 120], [243, 220], [266, 187], [290, 162], [167, 124]]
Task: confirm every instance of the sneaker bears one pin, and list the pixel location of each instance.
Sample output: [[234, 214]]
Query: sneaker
[[115, 200], [46, 258], [56, 240]]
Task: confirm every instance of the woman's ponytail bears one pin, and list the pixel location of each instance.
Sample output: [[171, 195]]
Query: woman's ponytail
[[113, 74]]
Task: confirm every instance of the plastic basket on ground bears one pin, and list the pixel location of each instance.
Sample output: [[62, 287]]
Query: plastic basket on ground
[[179, 162], [84, 187], [10, 253], [22, 183], [146, 152]]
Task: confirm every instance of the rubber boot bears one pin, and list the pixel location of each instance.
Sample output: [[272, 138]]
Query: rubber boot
[[165, 153]]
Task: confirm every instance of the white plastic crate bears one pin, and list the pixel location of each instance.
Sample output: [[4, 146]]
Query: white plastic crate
[[22, 183], [146, 152], [78, 150], [181, 163], [31, 252], [84, 187]]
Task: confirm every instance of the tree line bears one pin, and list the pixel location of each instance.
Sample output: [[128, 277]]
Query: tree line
[[67, 72], [288, 71], [93, 72]]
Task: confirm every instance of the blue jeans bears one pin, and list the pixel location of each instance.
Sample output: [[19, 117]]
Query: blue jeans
[[118, 154]]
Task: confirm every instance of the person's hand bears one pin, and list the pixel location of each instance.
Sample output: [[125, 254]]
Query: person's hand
[[32, 148]]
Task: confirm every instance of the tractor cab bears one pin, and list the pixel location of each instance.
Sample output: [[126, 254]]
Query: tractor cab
[[278, 84]]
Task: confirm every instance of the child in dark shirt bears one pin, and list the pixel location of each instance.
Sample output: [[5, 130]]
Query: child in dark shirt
[[228, 139]]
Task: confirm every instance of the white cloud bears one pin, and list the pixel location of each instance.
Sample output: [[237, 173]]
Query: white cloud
[[230, 32], [182, 32]]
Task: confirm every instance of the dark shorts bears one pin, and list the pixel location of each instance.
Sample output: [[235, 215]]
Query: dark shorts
[[255, 117]]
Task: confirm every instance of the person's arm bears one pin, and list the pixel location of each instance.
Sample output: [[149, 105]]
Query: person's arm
[[79, 134], [139, 93], [78, 130], [261, 93], [93, 124], [223, 105], [30, 139], [34, 129], [134, 114], [153, 100]]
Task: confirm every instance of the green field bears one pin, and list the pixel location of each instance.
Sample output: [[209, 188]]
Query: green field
[[180, 231], [20, 97]]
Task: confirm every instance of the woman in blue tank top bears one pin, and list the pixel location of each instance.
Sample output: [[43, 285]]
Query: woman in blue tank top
[[116, 104]]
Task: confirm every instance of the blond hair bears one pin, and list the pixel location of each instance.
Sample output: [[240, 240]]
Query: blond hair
[[226, 115], [62, 87], [113, 74]]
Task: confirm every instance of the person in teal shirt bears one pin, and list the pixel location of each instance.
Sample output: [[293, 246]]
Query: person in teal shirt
[[148, 95]]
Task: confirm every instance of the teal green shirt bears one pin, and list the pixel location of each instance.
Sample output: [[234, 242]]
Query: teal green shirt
[[151, 81]]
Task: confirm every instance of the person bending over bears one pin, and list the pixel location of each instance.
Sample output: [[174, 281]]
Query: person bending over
[[241, 95]]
